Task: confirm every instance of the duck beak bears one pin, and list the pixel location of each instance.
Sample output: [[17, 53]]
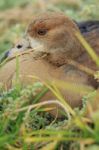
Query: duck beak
[[4, 56], [22, 45]]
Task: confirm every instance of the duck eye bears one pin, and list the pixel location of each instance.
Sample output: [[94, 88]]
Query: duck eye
[[42, 32]]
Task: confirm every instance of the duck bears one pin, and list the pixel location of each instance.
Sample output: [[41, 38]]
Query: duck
[[51, 38]]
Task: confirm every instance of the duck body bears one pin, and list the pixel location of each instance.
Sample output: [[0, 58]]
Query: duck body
[[29, 68], [57, 39]]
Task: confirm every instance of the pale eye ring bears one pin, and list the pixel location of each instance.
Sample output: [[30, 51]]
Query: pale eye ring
[[42, 31]]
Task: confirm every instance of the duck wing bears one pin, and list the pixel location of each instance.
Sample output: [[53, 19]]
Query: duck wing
[[88, 26]]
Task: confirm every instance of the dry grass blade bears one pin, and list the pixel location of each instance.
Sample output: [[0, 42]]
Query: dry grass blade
[[81, 67], [49, 146], [84, 89], [43, 104], [52, 86]]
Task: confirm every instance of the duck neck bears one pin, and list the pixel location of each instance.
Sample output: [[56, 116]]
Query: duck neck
[[59, 57]]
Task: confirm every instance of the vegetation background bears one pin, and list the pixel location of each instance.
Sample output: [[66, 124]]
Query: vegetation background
[[23, 130]]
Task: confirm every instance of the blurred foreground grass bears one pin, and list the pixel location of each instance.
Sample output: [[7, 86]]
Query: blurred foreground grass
[[24, 125]]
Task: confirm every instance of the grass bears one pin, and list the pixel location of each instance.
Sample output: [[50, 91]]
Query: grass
[[25, 122]]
